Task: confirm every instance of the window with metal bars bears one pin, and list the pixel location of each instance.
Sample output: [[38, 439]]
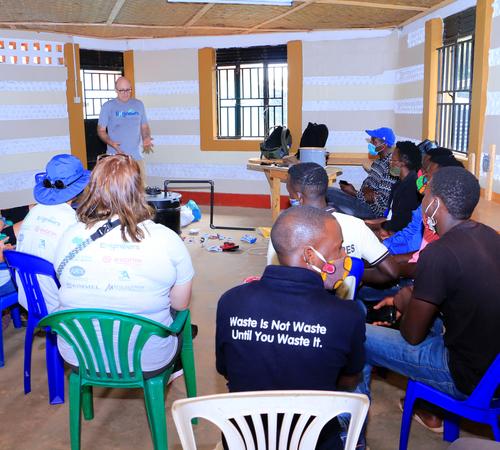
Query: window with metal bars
[[252, 91], [455, 63]]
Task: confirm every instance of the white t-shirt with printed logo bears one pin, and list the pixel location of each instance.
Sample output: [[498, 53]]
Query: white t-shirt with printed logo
[[358, 241], [39, 235], [131, 277]]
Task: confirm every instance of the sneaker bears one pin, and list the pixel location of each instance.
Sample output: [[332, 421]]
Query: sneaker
[[425, 418]]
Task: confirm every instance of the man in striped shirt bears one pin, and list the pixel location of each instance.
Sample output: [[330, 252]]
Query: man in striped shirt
[[371, 201]]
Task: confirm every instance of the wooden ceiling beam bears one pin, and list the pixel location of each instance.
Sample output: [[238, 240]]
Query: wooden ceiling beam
[[159, 27], [429, 10], [374, 5], [199, 14], [115, 11]]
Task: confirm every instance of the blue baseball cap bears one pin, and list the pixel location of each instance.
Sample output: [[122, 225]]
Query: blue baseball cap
[[384, 133], [64, 178]]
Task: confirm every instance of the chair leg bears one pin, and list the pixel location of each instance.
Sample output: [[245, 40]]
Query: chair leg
[[407, 416], [55, 369], [28, 344], [2, 356], [15, 314], [451, 428], [75, 411], [187, 359], [496, 429], [154, 396], [87, 403]]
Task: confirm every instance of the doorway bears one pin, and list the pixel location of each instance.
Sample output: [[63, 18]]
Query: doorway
[[98, 72]]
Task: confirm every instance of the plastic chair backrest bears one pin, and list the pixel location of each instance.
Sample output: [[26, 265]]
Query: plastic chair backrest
[[103, 340], [28, 267], [315, 408], [485, 390]]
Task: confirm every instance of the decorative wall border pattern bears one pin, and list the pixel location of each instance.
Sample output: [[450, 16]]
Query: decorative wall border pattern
[[31, 53], [177, 139], [35, 145], [29, 112], [493, 103], [32, 86], [416, 37], [17, 181], [355, 138], [402, 106], [174, 113], [494, 57], [398, 76], [167, 87], [205, 171]]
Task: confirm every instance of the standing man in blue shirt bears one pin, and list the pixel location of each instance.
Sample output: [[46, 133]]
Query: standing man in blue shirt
[[285, 331], [123, 124]]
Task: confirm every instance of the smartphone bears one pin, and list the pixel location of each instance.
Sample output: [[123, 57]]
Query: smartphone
[[385, 314], [344, 182]]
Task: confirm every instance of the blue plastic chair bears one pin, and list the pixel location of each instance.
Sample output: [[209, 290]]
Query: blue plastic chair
[[28, 267], [357, 271], [480, 406], [8, 301]]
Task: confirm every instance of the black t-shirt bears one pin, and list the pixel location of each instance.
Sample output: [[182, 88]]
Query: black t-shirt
[[403, 200], [460, 274], [287, 332]]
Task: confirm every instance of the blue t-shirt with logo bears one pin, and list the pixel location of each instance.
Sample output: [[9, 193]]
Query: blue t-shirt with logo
[[123, 121], [286, 331]]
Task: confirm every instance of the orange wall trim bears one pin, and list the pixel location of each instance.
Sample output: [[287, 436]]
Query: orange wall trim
[[226, 199]]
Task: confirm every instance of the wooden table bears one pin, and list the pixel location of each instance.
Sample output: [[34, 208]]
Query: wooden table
[[351, 159], [276, 175]]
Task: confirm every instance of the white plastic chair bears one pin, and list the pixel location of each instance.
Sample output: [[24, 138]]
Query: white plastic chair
[[321, 406]]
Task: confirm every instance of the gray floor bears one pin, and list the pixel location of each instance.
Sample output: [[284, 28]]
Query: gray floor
[[29, 422]]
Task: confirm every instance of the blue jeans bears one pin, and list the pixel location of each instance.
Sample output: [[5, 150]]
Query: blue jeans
[[426, 362], [348, 204]]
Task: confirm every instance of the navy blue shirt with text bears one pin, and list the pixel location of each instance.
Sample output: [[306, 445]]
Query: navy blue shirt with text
[[286, 331]]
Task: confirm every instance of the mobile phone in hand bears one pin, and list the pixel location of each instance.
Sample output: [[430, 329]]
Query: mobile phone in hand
[[343, 182], [385, 314]]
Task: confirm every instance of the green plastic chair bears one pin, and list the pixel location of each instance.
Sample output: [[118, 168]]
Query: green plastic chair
[[76, 327]]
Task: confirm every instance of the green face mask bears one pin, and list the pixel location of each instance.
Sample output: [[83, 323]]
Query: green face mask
[[395, 171]]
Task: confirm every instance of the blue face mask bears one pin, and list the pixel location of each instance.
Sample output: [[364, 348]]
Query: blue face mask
[[294, 202], [372, 150]]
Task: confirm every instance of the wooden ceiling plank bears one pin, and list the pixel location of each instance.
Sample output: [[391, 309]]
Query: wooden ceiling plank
[[280, 16], [115, 11], [418, 16], [374, 5], [199, 14]]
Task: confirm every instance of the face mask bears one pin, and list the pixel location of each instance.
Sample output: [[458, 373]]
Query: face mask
[[372, 150], [294, 202], [430, 220], [395, 171], [333, 272]]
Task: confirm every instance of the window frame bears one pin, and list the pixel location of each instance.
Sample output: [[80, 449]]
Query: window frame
[[208, 102]]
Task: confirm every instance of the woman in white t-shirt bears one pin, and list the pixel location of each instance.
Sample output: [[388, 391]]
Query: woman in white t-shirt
[[137, 267]]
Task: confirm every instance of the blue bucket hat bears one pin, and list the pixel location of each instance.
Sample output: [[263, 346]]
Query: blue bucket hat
[[384, 133], [64, 178]]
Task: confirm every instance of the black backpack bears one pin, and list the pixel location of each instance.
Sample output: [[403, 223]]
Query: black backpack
[[315, 135], [276, 145]]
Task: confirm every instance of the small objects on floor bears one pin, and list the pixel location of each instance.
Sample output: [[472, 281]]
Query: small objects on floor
[[194, 231], [215, 248], [229, 247], [265, 232], [248, 238]]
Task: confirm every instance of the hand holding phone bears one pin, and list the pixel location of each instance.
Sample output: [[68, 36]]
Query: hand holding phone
[[385, 314]]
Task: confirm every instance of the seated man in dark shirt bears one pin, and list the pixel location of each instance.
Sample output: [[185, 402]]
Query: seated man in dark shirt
[[286, 331], [404, 198], [457, 280]]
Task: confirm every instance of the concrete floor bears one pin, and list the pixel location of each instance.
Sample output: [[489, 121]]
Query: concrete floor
[[29, 422]]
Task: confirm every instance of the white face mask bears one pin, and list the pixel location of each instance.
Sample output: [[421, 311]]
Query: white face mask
[[430, 220]]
